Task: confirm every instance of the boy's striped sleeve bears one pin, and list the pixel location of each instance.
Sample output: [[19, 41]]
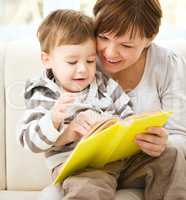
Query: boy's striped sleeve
[[36, 131]]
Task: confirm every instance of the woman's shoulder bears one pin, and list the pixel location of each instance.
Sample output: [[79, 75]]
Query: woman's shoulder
[[161, 54], [164, 58], [166, 66]]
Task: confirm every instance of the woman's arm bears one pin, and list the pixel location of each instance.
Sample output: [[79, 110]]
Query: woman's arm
[[172, 94], [173, 98]]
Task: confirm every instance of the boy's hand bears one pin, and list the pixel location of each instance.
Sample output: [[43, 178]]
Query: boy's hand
[[80, 127], [84, 121], [60, 109], [74, 131]]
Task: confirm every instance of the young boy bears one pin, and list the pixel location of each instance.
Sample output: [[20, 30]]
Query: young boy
[[70, 97], [68, 88]]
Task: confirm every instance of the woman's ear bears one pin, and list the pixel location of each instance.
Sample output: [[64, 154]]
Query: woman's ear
[[149, 40], [46, 60]]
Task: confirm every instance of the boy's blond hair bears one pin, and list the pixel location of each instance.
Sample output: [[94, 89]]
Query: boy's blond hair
[[64, 27]]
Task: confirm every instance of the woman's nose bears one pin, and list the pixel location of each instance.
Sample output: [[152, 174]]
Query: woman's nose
[[111, 51]]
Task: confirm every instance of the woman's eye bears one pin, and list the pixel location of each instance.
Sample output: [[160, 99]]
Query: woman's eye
[[102, 37], [72, 63]]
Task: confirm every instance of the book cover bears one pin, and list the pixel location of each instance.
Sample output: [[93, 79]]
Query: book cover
[[110, 141]]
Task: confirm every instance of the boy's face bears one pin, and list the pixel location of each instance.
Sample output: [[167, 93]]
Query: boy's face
[[73, 66]]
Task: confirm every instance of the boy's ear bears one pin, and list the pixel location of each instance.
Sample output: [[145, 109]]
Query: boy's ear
[[46, 60]]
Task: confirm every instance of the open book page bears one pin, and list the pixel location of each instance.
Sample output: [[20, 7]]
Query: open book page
[[110, 141], [103, 125]]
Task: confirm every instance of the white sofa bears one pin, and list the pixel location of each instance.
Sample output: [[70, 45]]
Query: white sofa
[[22, 173]]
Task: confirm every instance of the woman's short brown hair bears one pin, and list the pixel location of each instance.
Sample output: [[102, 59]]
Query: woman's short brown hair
[[120, 16], [64, 27]]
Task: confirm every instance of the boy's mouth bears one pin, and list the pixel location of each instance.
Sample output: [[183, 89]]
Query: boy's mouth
[[79, 79]]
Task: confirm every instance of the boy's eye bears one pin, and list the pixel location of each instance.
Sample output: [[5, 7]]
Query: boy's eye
[[127, 46], [91, 61], [72, 62]]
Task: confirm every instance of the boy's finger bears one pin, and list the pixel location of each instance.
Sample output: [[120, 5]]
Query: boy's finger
[[83, 122], [69, 96], [67, 99], [81, 130], [86, 126], [62, 102], [65, 106]]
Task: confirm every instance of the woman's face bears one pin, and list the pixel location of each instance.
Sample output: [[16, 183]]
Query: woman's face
[[119, 53]]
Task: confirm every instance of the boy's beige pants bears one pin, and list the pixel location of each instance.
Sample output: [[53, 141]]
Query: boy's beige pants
[[162, 178]]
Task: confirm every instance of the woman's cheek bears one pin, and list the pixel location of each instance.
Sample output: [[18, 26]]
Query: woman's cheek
[[101, 45]]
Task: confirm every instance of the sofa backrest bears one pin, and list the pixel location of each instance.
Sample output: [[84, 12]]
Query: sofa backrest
[[24, 170], [178, 46], [19, 61]]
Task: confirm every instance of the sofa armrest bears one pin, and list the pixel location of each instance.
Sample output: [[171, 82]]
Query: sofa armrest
[[2, 117]]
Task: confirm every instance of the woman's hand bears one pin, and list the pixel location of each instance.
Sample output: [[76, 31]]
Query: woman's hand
[[153, 142]]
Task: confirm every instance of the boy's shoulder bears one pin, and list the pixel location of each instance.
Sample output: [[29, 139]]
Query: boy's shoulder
[[104, 81], [41, 84]]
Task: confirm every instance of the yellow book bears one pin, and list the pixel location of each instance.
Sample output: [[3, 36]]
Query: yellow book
[[109, 141]]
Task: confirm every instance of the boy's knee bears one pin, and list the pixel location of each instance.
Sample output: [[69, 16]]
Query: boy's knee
[[94, 183], [85, 179]]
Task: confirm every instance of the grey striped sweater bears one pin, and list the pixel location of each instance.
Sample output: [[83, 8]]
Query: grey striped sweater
[[36, 131]]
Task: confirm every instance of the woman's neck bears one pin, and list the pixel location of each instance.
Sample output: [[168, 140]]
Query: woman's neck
[[130, 77]]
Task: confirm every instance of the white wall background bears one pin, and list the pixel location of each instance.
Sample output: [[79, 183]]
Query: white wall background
[[20, 18]]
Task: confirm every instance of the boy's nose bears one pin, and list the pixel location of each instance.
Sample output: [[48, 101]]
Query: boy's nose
[[82, 68]]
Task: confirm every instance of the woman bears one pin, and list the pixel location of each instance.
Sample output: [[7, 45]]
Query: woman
[[152, 76]]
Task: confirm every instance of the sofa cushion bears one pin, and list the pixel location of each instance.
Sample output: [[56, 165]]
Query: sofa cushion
[[21, 195], [2, 131], [18, 195]]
